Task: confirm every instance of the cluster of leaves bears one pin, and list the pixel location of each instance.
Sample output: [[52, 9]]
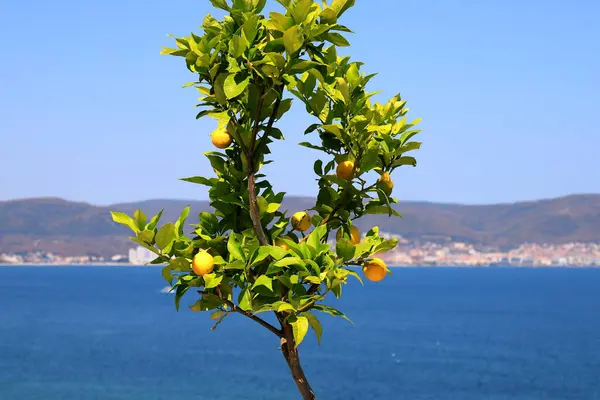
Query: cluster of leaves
[[246, 64]]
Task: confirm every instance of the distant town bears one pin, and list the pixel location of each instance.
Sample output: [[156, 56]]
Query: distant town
[[407, 253]]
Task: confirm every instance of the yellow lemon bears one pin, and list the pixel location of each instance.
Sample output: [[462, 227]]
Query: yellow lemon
[[354, 235], [221, 138], [385, 183], [375, 270], [281, 243], [301, 221], [203, 263], [345, 170]]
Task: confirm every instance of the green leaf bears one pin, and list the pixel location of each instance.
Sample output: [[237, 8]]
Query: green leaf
[[315, 325], [313, 279], [300, 328], [318, 167], [340, 6], [209, 223], [181, 289], [285, 262], [410, 147], [273, 207], [167, 275], [165, 235], [405, 161], [301, 10], [265, 281], [315, 237], [293, 40], [140, 219], [180, 264], [353, 76], [345, 249], [154, 221], [218, 260], [337, 39], [275, 46], [265, 251], [245, 299], [173, 52], [283, 306], [237, 47], [333, 129], [250, 28], [146, 236], [328, 16], [354, 274], [232, 88], [216, 315], [312, 146], [236, 265], [262, 204], [125, 219], [379, 209], [331, 311], [303, 66], [182, 218], [222, 4], [199, 180], [218, 86], [386, 245], [235, 249], [212, 280]]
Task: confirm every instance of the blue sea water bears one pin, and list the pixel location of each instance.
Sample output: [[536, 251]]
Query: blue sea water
[[429, 333]]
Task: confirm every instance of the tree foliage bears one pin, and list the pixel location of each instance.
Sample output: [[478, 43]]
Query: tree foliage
[[250, 68]]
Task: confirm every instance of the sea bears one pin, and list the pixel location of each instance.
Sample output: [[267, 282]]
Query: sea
[[77, 333]]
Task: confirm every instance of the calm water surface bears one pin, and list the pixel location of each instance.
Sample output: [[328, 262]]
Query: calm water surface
[[431, 333]]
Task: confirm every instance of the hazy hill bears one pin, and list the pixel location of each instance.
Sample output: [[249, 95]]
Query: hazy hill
[[72, 228]]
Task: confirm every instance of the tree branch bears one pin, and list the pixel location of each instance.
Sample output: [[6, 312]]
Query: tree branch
[[253, 204], [252, 150], [253, 317], [272, 117]]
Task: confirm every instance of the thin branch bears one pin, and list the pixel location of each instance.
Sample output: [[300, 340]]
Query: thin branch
[[253, 317], [331, 215], [311, 303], [313, 288], [253, 203], [272, 117], [226, 313]]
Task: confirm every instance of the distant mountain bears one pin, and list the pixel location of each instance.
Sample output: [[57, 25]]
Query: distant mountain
[[71, 228]]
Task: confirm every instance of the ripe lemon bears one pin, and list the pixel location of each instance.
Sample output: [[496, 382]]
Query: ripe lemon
[[375, 270], [203, 263], [354, 235], [385, 183], [221, 138], [301, 221], [345, 170], [281, 243]]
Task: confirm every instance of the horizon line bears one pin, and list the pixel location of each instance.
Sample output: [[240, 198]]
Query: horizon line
[[24, 199]]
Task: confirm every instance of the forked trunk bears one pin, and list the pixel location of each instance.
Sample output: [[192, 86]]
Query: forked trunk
[[290, 352]]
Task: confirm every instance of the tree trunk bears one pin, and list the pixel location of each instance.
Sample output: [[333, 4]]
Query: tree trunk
[[290, 352]]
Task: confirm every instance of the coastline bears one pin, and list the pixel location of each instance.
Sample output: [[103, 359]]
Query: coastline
[[127, 265]]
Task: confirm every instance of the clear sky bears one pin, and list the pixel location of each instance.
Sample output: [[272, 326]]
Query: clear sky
[[508, 91]]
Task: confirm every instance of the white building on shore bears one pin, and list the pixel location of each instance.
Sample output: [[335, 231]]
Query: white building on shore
[[140, 256]]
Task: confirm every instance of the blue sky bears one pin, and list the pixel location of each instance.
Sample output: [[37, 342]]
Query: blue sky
[[508, 91]]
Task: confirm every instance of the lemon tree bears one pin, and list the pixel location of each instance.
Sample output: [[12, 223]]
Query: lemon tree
[[250, 256]]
